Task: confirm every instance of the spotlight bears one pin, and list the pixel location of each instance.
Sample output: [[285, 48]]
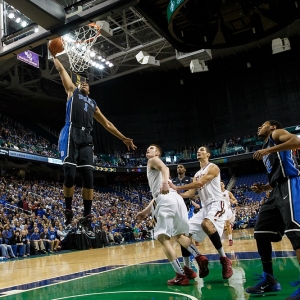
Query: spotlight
[[197, 65], [24, 24], [18, 20], [280, 45], [145, 59], [11, 15]]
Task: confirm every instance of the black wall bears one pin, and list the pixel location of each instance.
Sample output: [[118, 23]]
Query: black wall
[[229, 100]]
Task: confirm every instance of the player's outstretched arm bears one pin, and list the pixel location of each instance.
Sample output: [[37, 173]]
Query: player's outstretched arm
[[65, 78], [212, 172], [99, 117]]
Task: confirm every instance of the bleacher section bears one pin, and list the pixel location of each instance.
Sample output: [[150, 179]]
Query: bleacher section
[[248, 180]]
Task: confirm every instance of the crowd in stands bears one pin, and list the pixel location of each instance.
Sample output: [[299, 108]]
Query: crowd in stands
[[32, 217], [17, 138], [248, 208]]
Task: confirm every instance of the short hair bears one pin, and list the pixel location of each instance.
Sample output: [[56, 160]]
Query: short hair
[[276, 123], [207, 149], [158, 149]]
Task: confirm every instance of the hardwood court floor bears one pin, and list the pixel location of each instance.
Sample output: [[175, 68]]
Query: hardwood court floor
[[140, 271]]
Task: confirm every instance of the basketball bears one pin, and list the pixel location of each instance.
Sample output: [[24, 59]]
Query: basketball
[[56, 46]]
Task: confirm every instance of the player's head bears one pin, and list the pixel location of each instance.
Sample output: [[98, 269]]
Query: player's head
[[266, 129], [181, 170], [203, 153], [153, 150], [222, 185], [84, 88]]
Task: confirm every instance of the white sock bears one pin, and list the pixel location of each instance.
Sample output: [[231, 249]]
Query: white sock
[[230, 236], [176, 266], [186, 261], [221, 252], [193, 249]]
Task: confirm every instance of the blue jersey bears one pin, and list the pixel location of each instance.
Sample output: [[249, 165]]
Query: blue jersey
[[80, 110], [280, 165]]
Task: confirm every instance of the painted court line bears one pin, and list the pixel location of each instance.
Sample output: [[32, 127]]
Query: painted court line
[[124, 292]]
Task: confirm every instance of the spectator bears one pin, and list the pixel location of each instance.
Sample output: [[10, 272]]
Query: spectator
[[128, 233], [37, 242]]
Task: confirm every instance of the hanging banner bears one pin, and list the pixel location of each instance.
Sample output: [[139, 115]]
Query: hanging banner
[[29, 57]]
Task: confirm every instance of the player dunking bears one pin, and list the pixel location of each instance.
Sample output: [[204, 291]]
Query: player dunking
[[209, 221], [229, 200], [76, 144], [169, 215]]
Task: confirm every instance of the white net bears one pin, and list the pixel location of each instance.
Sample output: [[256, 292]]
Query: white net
[[78, 46]]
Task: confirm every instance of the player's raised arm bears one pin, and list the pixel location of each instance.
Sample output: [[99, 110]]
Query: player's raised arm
[[65, 77]]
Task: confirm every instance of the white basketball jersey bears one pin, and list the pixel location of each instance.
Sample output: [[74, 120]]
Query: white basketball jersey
[[226, 198], [155, 181], [211, 191]]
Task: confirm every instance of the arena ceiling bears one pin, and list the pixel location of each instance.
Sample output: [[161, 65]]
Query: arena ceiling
[[143, 26]]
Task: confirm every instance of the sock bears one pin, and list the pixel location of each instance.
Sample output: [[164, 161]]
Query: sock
[[264, 248], [221, 252], [230, 236], [87, 207], [193, 249], [177, 267], [186, 261], [68, 201], [267, 267], [216, 240]]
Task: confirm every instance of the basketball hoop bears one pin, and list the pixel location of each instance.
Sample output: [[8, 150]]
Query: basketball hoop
[[78, 46]]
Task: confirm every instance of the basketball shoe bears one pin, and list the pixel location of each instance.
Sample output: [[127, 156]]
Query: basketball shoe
[[268, 283], [179, 279], [202, 262], [226, 267], [86, 223], [190, 273]]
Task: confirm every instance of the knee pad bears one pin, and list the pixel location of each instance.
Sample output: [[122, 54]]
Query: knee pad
[[70, 172], [87, 178], [185, 252]]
